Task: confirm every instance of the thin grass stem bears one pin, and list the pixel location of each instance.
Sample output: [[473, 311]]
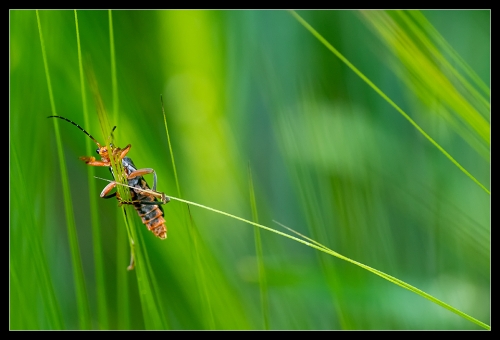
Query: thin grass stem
[[258, 250], [200, 278], [320, 247]]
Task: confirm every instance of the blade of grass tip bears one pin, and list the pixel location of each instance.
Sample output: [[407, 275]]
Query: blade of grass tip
[[102, 310], [342, 257], [392, 279], [170, 148], [258, 250], [81, 292], [383, 95], [202, 287]]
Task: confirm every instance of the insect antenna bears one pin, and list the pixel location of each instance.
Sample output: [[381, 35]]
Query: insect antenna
[[78, 126], [111, 137]]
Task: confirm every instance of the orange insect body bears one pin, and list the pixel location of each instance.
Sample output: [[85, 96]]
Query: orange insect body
[[151, 214], [146, 205]]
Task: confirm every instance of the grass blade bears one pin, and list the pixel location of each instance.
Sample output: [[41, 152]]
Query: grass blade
[[264, 302], [81, 292], [393, 280], [383, 95], [102, 309], [35, 255], [200, 277], [342, 257]]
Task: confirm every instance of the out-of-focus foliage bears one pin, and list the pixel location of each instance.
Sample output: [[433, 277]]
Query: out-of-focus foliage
[[329, 158]]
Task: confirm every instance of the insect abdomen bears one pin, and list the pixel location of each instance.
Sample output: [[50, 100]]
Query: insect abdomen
[[151, 215]]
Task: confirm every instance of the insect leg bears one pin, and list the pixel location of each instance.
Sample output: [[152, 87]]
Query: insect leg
[[124, 151], [142, 172], [107, 189], [94, 162]]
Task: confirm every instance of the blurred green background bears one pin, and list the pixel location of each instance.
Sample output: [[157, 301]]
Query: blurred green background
[[329, 158]]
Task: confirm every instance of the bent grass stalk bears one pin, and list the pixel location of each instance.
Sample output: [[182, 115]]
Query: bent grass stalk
[[316, 245]]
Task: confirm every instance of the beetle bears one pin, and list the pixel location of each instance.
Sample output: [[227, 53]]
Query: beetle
[[147, 205]]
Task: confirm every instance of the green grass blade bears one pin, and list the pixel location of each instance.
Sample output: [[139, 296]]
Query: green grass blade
[[342, 257], [407, 17], [81, 292], [22, 320], [155, 287], [427, 26], [170, 148], [153, 317], [383, 95], [122, 250], [102, 300], [122, 284], [435, 81], [35, 254], [394, 280], [200, 277], [114, 80], [264, 302]]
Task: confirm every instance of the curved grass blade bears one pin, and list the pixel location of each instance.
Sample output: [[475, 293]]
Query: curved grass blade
[[81, 292], [324, 249], [393, 280], [383, 95], [320, 247]]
